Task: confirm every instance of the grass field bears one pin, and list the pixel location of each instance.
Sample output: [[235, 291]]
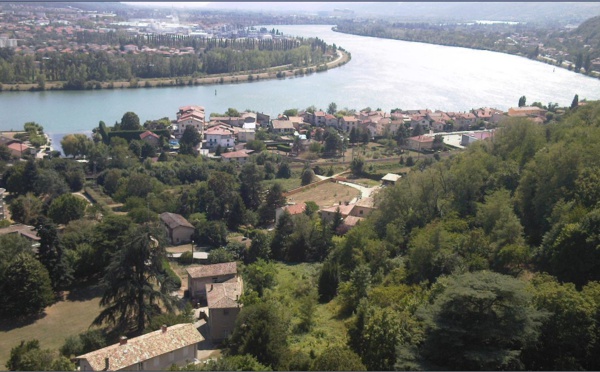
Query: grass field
[[328, 330], [61, 320], [326, 195]]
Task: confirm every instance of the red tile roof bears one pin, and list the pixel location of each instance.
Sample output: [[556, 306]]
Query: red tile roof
[[295, 209], [148, 133]]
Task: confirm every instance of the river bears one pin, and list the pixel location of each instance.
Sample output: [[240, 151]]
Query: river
[[382, 74]]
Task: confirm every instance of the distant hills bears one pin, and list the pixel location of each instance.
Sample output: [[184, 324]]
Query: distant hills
[[589, 31], [575, 12]]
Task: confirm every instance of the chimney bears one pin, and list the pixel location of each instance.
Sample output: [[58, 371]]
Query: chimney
[[123, 340], [106, 364], [211, 287], [164, 328]]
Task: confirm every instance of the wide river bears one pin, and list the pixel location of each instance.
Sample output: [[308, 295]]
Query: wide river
[[382, 74]]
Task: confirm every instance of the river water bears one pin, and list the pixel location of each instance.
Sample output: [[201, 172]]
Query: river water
[[382, 74]]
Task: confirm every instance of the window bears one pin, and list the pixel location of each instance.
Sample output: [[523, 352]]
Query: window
[[225, 311]]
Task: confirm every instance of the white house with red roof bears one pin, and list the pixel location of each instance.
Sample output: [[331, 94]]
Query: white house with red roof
[[189, 116], [219, 135], [240, 156], [420, 142]]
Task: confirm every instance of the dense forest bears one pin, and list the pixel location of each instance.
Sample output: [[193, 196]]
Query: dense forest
[[485, 260], [210, 56]]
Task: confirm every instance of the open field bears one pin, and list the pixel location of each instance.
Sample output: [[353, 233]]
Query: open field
[[61, 320], [326, 195]]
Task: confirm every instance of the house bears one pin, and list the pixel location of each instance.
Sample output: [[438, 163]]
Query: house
[[318, 118], [223, 307], [331, 121], [240, 156], [199, 276], [420, 120], [291, 209], [465, 120], [348, 122], [526, 111], [179, 230], [421, 143], [219, 136], [282, 126], [151, 138], [246, 134], [469, 138], [153, 351], [18, 149], [390, 179], [189, 116], [27, 232], [327, 214], [363, 207]]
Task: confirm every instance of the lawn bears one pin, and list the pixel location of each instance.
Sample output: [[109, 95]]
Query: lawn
[[326, 194], [328, 329], [61, 320], [286, 183]]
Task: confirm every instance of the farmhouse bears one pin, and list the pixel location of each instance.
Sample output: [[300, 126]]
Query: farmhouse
[[223, 307], [179, 230], [199, 276], [153, 351]]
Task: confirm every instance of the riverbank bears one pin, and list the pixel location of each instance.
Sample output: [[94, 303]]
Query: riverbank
[[278, 72]]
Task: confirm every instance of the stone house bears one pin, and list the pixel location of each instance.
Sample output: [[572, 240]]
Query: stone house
[[151, 138], [153, 351], [200, 276], [179, 230], [223, 307]]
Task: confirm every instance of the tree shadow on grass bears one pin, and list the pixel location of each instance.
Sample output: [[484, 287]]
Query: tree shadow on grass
[[7, 325], [84, 293]]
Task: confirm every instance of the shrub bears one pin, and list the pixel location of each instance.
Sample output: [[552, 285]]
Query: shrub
[[186, 258]]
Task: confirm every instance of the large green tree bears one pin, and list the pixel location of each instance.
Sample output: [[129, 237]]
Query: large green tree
[[479, 321], [130, 121], [66, 208], [261, 330], [26, 287], [136, 285]]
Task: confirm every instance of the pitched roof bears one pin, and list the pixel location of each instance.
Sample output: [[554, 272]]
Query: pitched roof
[[235, 154], [174, 220], [144, 347], [344, 209], [282, 124], [352, 220], [295, 209], [148, 133], [391, 177], [223, 295], [204, 271]]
